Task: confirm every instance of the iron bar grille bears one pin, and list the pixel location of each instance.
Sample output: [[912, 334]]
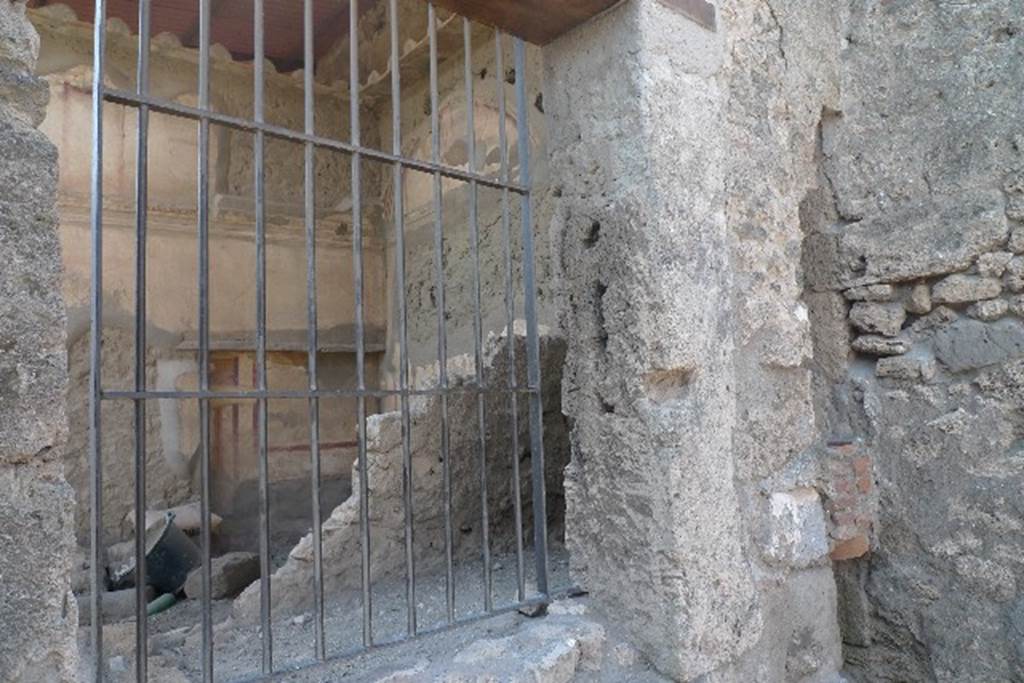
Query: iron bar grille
[[203, 114]]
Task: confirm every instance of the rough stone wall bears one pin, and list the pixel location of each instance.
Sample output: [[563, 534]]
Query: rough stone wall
[[37, 612], [637, 155], [780, 72], [915, 270], [698, 478]]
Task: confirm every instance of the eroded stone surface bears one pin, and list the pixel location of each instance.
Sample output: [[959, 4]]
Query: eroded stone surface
[[883, 319], [927, 193], [38, 614], [990, 310], [875, 345], [958, 289], [796, 534]]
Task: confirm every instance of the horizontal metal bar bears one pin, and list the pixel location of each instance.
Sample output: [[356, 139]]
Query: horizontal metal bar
[[156, 104], [540, 599], [305, 394]]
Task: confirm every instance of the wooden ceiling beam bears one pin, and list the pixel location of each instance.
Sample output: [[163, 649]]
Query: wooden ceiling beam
[[535, 21]]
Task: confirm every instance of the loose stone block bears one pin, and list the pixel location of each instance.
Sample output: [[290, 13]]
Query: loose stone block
[[875, 318], [990, 310], [993, 264], [958, 289], [797, 536], [875, 345], [905, 368], [881, 292], [229, 575], [1017, 305], [1013, 283]]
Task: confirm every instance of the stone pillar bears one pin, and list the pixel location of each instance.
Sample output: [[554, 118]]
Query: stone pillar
[[639, 155], [38, 615], [682, 152]]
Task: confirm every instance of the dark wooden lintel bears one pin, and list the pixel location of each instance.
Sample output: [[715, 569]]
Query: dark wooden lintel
[[536, 21]]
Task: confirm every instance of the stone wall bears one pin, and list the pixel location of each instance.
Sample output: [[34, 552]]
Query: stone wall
[[38, 614], [697, 477], [914, 268], [291, 584]]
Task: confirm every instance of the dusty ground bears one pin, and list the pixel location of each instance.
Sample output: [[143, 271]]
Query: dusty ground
[[565, 645]]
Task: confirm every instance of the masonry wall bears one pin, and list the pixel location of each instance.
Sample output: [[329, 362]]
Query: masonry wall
[[695, 496], [38, 614], [915, 271]]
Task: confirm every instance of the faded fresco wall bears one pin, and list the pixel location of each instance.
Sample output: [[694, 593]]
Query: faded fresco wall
[[915, 274], [416, 141], [172, 297]]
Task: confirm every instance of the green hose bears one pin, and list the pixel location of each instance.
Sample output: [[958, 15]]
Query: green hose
[[158, 605]]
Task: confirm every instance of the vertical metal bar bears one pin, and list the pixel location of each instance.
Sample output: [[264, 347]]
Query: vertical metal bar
[[141, 205], [96, 343], [309, 213], [442, 338], [510, 312], [403, 324], [259, 198], [355, 126], [203, 219], [540, 536], [474, 245]]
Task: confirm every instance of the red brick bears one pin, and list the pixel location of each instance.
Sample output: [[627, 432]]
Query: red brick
[[851, 548]]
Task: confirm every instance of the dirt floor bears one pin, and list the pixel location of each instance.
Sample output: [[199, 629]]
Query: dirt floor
[[175, 640]]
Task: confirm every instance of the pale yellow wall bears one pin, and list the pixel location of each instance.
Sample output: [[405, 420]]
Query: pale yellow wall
[[172, 300]]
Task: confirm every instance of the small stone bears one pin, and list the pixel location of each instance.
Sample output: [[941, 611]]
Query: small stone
[[875, 318], [118, 25], [570, 607], [905, 368], [874, 345], [229, 575], [220, 53], [938, 318], [301, 620], [958, 289], [1017, 305], [990, 310], [920, 300], [1014, 284], [796, 534], [869, 293], [993, 264], [1015, 267], [1016, 244]]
